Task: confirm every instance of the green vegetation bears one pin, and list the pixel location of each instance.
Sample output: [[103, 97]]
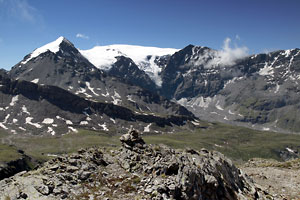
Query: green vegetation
[[41, 147], [290, 120], [290, 164], [8, 153], [238, 143]]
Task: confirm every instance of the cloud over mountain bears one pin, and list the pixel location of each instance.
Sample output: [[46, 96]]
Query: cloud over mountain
[[80, 35], [228, 55]]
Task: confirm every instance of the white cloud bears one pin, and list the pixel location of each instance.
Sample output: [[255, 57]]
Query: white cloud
[[19, 9], [228, 55], [80, 35], [25, 10]]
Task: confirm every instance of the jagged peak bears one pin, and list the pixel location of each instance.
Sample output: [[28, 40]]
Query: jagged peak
[[286, 53], [52, 46], [194, 48]]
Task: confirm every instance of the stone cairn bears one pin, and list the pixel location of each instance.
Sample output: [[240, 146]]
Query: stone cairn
[[132, 140]]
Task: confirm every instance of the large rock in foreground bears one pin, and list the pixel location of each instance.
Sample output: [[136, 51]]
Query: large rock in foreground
[[135, 171]]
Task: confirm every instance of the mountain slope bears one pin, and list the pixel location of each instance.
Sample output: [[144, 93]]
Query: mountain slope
[[68, 69], [42, 109], [125, 69], [260, 90]]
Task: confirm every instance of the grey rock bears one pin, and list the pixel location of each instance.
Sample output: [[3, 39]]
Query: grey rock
[[132, 139], [43, 189], [175, 175], [84, 175], [72, 169]]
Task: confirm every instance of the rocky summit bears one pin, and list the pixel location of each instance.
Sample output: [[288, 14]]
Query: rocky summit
[[134, 171]]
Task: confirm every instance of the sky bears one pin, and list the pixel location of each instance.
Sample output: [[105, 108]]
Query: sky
[[254, 25]]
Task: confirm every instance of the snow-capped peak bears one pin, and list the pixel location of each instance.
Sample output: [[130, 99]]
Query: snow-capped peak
[[52, 46], [104, 56]]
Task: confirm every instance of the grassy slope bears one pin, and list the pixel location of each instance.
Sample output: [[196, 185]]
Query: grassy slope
[[7, 152], [39, 147], [237, 143]]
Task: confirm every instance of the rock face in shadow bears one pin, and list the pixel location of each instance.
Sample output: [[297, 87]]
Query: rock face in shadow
[[125, 69], [13, 167], [135, 171]]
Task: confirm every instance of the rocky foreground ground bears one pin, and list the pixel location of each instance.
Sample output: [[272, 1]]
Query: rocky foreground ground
[[282, 179], [135, 171]]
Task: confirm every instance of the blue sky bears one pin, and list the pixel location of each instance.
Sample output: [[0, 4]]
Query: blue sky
[[259, 25]]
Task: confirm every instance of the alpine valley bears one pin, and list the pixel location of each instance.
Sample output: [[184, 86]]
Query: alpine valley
[[62, 111]]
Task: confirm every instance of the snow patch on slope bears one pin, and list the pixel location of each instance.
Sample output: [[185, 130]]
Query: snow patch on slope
[[3, 126], [28, 121], [48, 121], [73, 129], [147, 128], [24, 110], [14, 100], [91, 89], [52, 46], [104, 127], [197, 101], [51, 131], [35, 81], [267, 70], [116, 98]]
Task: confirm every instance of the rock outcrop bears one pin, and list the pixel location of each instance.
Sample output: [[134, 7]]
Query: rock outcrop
[[12, 167], [135, 171], [132, 139], [281, 179]]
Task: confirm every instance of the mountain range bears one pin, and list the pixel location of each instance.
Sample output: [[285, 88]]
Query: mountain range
[[59, 88]]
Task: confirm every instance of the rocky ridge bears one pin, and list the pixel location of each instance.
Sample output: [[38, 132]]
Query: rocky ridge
[[135, 171], [23, 162]]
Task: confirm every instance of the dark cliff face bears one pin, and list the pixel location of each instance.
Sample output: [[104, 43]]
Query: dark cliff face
[[186, 75], [125, 69], [23, 163], [171, 74]]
